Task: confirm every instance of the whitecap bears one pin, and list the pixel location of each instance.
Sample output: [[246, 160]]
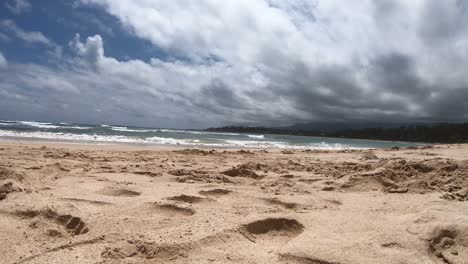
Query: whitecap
[[126, 129], [38, 124], [256, 136]]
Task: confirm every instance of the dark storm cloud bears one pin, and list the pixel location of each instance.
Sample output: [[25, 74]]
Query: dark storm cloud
[[442, 21], [396, 74], [220, 96], [450, 105]]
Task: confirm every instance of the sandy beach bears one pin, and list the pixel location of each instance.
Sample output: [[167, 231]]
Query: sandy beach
[[72, 203]]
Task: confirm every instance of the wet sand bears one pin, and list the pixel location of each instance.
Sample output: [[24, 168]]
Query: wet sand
[[72, 203]]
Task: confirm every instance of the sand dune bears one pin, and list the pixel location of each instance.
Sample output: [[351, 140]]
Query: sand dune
[[121, 204]]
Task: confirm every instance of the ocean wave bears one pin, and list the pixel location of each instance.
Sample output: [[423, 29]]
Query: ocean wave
[[256, 136], [198, 132], [178, 131], [90, 138], [332, 146], [43, 125], [126, 129], [60, 136], [265, 144], [38, 124], [76, 127], [8, 122], [222, 133], [285, 145]]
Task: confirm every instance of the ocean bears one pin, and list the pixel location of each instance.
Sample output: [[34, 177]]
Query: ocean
[[110, 134]]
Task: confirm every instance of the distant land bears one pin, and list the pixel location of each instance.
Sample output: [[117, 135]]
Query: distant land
[[429, 133]]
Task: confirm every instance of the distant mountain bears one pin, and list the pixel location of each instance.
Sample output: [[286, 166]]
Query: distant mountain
[[329, 127]]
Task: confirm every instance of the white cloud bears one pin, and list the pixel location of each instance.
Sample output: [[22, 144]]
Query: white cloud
[[266, 61], [3, 61], [18, 6], [4, 37], [92, 50], [30, 37], [280, 39]]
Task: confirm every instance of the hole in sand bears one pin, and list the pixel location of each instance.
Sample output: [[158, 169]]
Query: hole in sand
[[188, 199], [215, 192], [242, 171], [86, 201], [275, 226], [276, 201], [74, 225], [173, 209], [289, 258], [119, 192]]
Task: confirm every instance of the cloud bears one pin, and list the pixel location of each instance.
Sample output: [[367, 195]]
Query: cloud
[[317, 60], [92, 51], [3, 61], [262, 62], [30, 37], [103, 89], [18, 6], [4, 37]]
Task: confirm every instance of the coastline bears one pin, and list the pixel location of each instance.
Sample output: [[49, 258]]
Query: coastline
[[113, 203], [104, 134]]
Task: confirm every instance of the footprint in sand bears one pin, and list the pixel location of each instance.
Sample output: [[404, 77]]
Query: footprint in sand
[[74, 225], [294, 259], [272, 229], [118, 192], [215, 192], [276, 201], [189, 199], [450, 244], [172, 209], [94, 202]]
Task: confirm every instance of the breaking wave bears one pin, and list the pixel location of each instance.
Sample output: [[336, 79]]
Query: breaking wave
[[69, 137]]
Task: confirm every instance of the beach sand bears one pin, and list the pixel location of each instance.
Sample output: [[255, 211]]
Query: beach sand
[[72, 203]]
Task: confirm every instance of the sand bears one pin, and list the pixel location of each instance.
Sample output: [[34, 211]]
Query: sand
[[72, 203]]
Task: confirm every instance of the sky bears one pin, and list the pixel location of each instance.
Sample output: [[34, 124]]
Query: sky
[[202, 63]]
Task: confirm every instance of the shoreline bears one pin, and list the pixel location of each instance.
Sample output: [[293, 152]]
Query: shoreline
[[136, 146], [206, 145], [162, 145], [92, 134]]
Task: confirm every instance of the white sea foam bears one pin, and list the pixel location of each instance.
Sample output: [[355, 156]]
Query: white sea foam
[[285, 145], [8, 121], [43, 125], [266, 144], [76, 127], [214, 133], [223, 134], [256, 136], [38, 124], [197, 132], [90, 138], [125, 129], [179, 131], [261, 144]]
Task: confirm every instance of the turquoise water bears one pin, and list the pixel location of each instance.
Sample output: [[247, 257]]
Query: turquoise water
[[101, 134]]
